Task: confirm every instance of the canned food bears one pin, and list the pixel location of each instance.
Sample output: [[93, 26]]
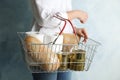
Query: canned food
[[70, 60], [63, 61], [71, 57], [79, 67], [79, 54], [77, 60]]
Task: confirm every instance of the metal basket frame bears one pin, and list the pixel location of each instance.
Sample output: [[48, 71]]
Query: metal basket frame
[[89, 47]]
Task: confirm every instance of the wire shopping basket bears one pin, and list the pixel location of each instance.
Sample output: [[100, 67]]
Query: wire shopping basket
[[42, 58]]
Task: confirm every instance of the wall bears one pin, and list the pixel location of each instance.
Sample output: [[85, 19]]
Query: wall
[[103, 25], [15, 16]]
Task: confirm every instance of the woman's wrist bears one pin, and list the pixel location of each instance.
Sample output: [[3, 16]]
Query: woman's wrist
[[74, 14]]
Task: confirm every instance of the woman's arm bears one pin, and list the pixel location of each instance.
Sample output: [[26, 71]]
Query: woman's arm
[[77, 14], [82, 16]]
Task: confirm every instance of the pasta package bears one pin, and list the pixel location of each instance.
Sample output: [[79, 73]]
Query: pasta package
[[69, 39]]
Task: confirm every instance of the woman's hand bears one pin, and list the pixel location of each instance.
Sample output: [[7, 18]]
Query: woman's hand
[[83, 16], [81, 32]]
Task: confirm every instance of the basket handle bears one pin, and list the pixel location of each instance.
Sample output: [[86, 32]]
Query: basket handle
[[65, 22]]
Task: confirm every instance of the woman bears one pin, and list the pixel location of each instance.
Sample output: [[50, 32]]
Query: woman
[[46, 21]]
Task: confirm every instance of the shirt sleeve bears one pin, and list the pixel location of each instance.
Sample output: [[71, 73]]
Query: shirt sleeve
[[48, 19], [44, 14]]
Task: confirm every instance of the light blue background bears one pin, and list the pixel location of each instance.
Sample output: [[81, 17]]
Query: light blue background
[[15, 16], [103, 25]]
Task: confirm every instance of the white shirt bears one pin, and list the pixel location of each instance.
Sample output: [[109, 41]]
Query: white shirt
[[44, 10]]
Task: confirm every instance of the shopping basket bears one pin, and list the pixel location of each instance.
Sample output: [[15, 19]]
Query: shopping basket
[[79, 58]]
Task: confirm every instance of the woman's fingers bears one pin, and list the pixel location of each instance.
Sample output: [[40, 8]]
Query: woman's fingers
[[82, 33]]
